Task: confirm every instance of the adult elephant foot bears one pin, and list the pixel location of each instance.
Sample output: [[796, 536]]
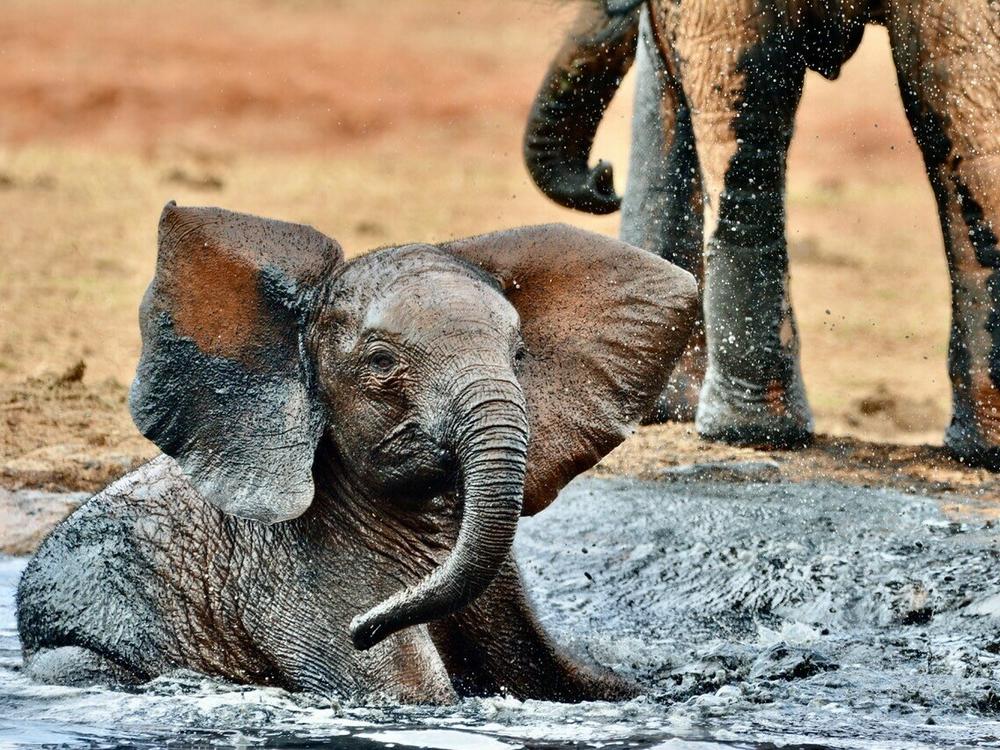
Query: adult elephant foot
[[753, 392], [975, 439], [679, 400], [742, 88], [742, 413], [950, 89]]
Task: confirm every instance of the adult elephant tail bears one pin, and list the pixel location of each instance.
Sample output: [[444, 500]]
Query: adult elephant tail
[[576, 91]]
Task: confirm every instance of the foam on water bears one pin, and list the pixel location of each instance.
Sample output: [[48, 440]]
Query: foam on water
[[754, 615]]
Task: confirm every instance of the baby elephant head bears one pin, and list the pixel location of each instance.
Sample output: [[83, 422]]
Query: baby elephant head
[[498, 367]]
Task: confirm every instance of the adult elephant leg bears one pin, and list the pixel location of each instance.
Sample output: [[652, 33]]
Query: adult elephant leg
[[742, 79], [662, 208], [947, 55]]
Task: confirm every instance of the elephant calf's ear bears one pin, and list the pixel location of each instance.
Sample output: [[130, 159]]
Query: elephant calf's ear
[[603, 322], [223, 384]]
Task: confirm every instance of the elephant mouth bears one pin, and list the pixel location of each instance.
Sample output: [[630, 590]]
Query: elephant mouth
[[400, 434], [414, 464], [406, 438]]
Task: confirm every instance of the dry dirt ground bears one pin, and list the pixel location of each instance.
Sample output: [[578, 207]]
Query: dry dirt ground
[[400, 124]]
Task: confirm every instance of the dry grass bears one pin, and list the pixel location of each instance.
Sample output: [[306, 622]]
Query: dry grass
[[379, 127]]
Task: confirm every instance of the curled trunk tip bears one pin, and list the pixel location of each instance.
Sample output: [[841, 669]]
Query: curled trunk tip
[[578, 87]]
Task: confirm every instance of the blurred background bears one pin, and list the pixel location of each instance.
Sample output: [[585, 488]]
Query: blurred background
[[381, 123]]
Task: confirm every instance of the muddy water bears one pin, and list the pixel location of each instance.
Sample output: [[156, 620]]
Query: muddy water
[[756, 616]]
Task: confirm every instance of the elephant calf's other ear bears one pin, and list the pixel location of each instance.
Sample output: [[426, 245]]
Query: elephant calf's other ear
[[604, 323], [223, 384]]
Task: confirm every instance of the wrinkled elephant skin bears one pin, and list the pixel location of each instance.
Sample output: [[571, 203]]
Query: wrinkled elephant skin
[[349, 447]]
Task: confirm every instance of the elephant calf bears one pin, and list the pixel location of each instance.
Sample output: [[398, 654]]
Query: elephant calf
[[366, 436]]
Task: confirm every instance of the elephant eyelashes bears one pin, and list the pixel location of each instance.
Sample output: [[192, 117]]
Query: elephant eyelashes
[[382, 362], [520, 354]]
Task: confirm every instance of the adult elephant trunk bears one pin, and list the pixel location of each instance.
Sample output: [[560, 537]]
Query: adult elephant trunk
[[490, 442], [574, 95]]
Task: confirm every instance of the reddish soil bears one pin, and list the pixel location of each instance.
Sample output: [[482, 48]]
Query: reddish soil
[[396, 123]]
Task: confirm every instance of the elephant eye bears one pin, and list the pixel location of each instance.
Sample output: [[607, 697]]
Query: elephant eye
[[519, 354], [382, 362]]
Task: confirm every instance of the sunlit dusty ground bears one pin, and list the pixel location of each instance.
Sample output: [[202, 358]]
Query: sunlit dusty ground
[[382, 126]]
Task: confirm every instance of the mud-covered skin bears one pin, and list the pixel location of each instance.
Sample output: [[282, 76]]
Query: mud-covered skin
[[738, 68], [221, 380], [743, 88], [947, 60], [351, 447], [266, 605]]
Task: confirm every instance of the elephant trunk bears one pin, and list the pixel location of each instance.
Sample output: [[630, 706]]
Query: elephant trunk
[[490, 443], [574, 95]]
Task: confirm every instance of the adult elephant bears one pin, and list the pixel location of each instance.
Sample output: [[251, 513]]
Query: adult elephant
[[366, 436], [718, 88]]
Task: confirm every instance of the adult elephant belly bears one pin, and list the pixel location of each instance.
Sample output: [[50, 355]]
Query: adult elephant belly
[[828, 31]]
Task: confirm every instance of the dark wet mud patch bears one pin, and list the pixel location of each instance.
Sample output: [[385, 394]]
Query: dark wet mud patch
[[797, 610], [755, 615], [674, 452]]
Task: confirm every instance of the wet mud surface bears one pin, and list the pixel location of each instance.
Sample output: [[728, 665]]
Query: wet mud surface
[[755, 615], [814, 610]]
